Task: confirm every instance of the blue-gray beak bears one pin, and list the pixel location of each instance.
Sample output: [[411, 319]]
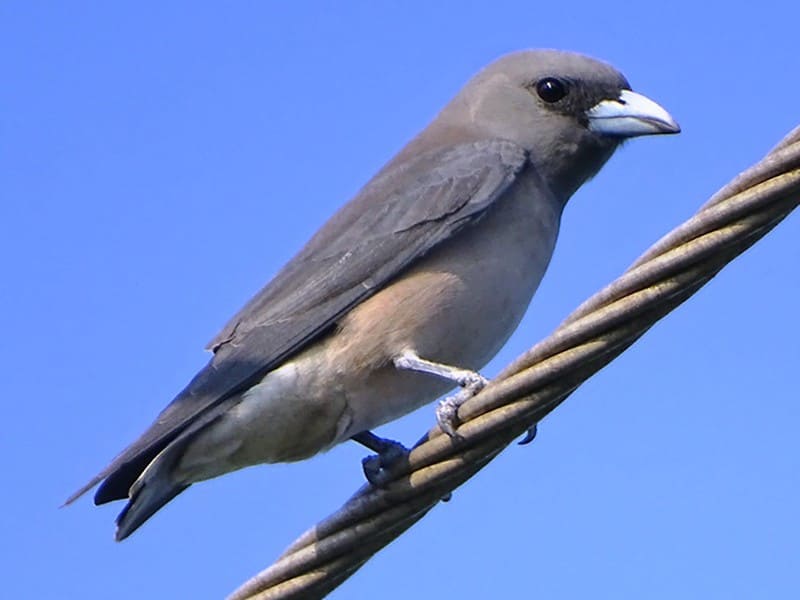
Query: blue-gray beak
[[630, 115]]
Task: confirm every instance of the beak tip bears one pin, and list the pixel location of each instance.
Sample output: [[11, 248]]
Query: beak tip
[[672, 129]]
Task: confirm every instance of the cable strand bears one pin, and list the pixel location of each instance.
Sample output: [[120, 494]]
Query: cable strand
[[534, 384]]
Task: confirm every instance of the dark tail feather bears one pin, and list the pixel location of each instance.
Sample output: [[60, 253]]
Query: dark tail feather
[[147, 497], [117, 478]]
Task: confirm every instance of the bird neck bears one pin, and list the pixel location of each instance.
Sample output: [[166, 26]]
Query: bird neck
[[566, 167]]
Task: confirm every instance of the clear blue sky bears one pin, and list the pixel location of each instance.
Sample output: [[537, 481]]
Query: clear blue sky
[[159, 162]]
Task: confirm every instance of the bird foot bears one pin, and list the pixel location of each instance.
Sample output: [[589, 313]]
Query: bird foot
[[388, 455], [472, 381], [447, 411]]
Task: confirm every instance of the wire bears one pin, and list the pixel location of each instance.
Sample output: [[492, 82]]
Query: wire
[[538, 381]]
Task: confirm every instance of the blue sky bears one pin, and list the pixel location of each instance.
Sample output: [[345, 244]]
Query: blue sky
[[160, 162]]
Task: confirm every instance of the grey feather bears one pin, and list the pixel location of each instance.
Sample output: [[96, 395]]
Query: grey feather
[[309, 361], [385, 228]]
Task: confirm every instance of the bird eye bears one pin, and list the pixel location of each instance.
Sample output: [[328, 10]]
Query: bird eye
[[551, 89]]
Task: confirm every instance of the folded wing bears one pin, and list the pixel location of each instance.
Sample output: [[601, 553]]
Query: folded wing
[[399, 216]]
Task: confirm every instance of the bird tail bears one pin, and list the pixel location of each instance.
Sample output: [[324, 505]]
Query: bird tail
[[149, 493]]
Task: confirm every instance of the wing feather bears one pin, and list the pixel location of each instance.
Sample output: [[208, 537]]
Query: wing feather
[[399, 216]]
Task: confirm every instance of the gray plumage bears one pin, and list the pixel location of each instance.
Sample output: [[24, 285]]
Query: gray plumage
[[438, 255]]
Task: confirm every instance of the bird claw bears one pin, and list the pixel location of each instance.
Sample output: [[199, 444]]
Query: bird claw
[[530, 435], [447, 416], [376, 465], [447, 411], [472, 380]]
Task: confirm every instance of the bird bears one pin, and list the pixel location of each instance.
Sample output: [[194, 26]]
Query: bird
[[404, 294]]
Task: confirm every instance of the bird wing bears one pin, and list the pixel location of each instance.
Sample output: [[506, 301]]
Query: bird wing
[[399, 216]]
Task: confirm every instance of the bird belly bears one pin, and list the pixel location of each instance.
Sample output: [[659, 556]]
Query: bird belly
[[292, 414], [457, 306]]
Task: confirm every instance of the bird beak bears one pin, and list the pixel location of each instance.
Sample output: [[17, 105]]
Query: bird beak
[[630, 115]]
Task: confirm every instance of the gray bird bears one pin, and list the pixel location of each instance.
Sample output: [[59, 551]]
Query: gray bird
[[404, 293]]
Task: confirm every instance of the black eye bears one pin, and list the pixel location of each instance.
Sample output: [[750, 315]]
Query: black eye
[[551, 89]]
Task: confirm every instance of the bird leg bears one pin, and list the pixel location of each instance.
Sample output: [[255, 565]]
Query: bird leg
[[447, 411], [388, 454]]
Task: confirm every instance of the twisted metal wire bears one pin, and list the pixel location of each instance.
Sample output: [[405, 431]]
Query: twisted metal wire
[[538, 381]]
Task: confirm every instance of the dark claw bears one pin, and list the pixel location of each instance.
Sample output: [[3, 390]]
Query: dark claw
[[530, 435], [372, 469], [389, 453]]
